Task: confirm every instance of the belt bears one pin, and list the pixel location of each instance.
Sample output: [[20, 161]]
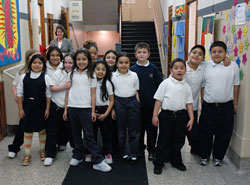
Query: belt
[[178, 112], [219, 104]]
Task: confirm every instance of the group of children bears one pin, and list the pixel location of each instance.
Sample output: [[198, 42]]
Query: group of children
[[59, 100]]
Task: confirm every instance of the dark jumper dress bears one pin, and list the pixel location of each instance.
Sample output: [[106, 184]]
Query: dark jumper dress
[[34, 103]]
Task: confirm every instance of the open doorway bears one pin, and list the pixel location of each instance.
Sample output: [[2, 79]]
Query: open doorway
[[50, 27]]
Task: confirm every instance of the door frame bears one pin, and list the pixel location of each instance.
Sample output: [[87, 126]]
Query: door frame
[[170, 14]]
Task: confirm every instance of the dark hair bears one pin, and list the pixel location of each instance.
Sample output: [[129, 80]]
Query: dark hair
[[218, 44], [60, 27], [39, 56], [122, 54], [104, 58], [89, 43], [200, 47], [177, 60], [141, 45], [70, 54], [90, 65], [54, 48], [104, 92], [28, 54]]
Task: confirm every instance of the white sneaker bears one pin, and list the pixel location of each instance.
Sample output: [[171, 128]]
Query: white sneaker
[[88, 158], [48, 161], [108, 159], [102, 166], [11, 155], [74, 162]]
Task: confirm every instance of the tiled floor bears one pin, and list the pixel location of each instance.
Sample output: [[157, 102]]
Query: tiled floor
[[13, 173]]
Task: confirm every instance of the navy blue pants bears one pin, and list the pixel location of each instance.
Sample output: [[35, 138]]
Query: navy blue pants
[[171, 137], [80, 119], [215, 129], [128, 117], [18, 139]]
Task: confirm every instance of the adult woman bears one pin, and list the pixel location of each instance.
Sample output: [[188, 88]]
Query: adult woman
[[63, 43]]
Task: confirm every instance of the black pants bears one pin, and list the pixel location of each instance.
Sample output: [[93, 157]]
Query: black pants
[[54, 126], [215, 129], [193, 136], [171, 137], [105, 128], [81, 121], [146, 125], [128, 117], [18, 139]]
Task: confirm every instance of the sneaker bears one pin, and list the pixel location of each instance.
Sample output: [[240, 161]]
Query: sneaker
[[108, 158], [204, 162], [102, 166], [217, 162], [88, 158], [151, 156], [48, 161], [133, 160], [157, 170], [61, 148], [125, 157], [74, 162], [11, 155]]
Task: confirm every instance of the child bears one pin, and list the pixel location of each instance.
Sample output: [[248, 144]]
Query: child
[[60, 82], [110, 57], [150, 78], [220, 88], [127, 107], [54, 57], [91, 46], [104, 105], [14, 148], [174, 97], [33, 104], [80, 102]]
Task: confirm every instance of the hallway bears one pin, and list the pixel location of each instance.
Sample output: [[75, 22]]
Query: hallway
[[13, 173]]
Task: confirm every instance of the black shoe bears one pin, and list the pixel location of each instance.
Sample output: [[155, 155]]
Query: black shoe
[[133, 160], [194, 152], [151, 156], [180, 167], [125, 158], [157, 170]]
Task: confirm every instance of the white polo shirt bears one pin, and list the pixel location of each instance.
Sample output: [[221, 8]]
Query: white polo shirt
[[126, 85], [80, 92], [194, 80], [174, 94], [219, 81], [59, 78], [33, 76], [99, 101], [16, 79], [50, 70]]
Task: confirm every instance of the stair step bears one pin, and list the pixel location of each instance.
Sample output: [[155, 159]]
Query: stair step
[[134, 42], [137, 34]]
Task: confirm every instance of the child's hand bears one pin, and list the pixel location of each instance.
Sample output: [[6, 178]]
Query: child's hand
[[235, 108], [101, 117], [46, 114], [68, 85], [21, 114], [93, 115], [65, 117], [227, 61], [190, 124], [155, 121], [113, 114]]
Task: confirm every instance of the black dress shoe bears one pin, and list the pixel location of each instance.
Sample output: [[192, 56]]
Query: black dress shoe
[[133, 160], [180, 167], [157, 170]]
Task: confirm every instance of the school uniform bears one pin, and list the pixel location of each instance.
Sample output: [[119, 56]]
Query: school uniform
[[50, 70], [34, 88], [105, 125], [173, 118], [127, 110], [194, 80], [217, 114], [59, 130], [149, 78], [79, 111]]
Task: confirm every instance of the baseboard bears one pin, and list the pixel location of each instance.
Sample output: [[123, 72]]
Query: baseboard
[[241, 164]]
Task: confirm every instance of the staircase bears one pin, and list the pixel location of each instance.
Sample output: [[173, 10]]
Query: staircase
[[134, 32]]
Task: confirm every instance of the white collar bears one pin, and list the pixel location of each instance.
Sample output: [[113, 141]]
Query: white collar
[[117, 73], [176, 81], [190, 69], [146, 65]]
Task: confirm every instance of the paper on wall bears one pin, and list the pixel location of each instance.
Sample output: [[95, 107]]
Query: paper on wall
[[240, 16]]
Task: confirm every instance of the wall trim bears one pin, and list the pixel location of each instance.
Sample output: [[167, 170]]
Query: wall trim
[[25, 16]]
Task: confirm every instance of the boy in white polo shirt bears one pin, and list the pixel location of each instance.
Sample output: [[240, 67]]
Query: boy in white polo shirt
[[174, 97], [220, 88], [127, 107]]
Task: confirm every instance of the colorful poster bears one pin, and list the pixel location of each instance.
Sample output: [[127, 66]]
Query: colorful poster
[[207, 35], [10, 47], [240, 16]]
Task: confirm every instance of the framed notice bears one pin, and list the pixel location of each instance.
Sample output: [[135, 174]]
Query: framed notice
[[75, 10]]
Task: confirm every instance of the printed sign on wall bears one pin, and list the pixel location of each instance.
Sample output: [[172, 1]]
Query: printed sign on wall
[[75, 10]]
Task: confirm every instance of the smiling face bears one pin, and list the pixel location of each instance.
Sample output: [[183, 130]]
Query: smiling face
[[37, 65], [81, 62], [100, 71], [123, 64], [142, 55], [59, 34], [110, 59], [55, 58], [178, 70], [218, 54], [68, 63], [196, 56], [93, 52]]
